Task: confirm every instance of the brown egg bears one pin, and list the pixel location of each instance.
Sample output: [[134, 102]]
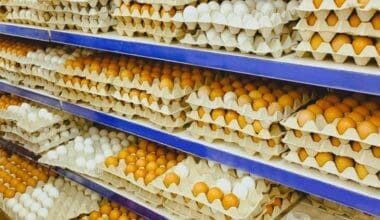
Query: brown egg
[[160, 170], [332, 113], [216, 113], [259, 103], [241, 121], [255, 94], [378, 46], [371, 105], [111, 161], [216, 93], [324, 157], [376, 151], [363, 3], [244, 99], [230, 116], [140, 173], [315, 109], [286, 100], [359, 43], [316, 41], [335, 141], [257, 127], [339, 3], [365, 129], [277, 202], [375, 21], [354, 20], [214, 193], [171, 178], [269, 208], [269, 97], [350, 102], [356, 146], [324, 104], [361, 171], [150, 176], [344, 124], [171, 163], [229, 201], [343, 162], [339, 40], [304, 116], [343, 107], [275, 107], [332, 19], [199, 187], [311, 19], [361, 110], [355, 116], [297, 133], [375, 120]]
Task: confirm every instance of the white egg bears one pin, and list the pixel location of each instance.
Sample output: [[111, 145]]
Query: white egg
[[240, 8], [36, 193], [124, 143], [23, 212], [80, 162], [47, 202], [42, 197], [229, 96], [35, 207], [248, 182], [224, 184], [43, 213], [240, 191], [203, 8], [116, 148], [16, 208], [105, 146], [53, 192], [211, 34], [181, 170], [32, 116], [49, 116], [65, 134], [88, 141], [99, 158], [24, 197], [104, 140], [28, 203], [214, 6], [47, 186], [11, 202], [267, 8], [226, 7], [88, 150], [61, 150], [30, 216], [25, 106], [95, 137], [91, 165], [103, 132], [93, 130], [112, 134], [42, 113], [107, 153], [132, 138], [121, 135], [115, 140], [74, 130], [78, 139], [58, 182], [78, 147], [190, 14], [218, 17], [52, 155], [280, 5], [242, 38]]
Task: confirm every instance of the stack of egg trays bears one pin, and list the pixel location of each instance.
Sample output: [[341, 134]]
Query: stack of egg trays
[[86, 16], [298, 138], [267, 142], [151, 20], [306, 9], [255, 32]]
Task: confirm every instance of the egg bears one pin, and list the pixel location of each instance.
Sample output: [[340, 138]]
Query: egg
[[226, 7], [323, 157], [88, 150], [43, 213], [240, 190], [78, 139], [339, 40], [190, 14], [78, 147], [332, 19], [214, 193], [316, 41], [91, 165], [365, 129], [361, 171], [354, 20], [52, 155], [359, 43], [47, 202], [199, 187], [181, 170], [332, 113], [31, 216], [61, 150], [304, 116], [302, 154], [11, 202], [344, 124], [240, 8], [229, 201], [224, 184], [343, 162], [35, 207], [171, 178], [248, 182], [80, 162]]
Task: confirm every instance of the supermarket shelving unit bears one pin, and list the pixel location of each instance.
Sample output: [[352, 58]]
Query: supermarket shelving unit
[[339, 76]]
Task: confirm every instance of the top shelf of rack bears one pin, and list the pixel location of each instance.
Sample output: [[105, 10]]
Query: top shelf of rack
[[289, 68]]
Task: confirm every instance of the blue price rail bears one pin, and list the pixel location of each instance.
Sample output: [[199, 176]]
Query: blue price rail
[[307, 180]]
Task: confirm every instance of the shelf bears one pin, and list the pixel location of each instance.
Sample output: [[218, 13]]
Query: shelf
[[120, 196], [306, 180], [289, 68]]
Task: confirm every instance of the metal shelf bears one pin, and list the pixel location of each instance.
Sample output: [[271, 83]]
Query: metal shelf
[[289, 68], [120, 196], [306, 180]]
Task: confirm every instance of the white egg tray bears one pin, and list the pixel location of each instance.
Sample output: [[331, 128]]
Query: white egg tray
[[342, 26], [249, 206], [168, 122], [81, 23], [9, 65], [289, 198], [269, 130], [369, 52], [165, 4], [41, 135], [229, 101], [372, 179], [185, 212], [160, 34], [364, 156], [11, 76], [307, 5], [320, 126], [28, 16], [250, 22], [99, 89], [275, 47], [43, 73], [174, 106], [35, 82], [245, 142], [102, 102], [91, 3], [72, 201], [72, 95]]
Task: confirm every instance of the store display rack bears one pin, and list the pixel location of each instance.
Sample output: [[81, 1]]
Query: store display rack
[[290, 68], [103, 189], [306, 180]]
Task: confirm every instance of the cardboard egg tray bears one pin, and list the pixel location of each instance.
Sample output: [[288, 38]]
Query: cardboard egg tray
[[70, 204], [105, 103], [169, 122], [326, 5], [230, 102], [372, 179], [245, 142], [158, 105], [364, 156], [72, 95], [269, 130], [275, 47], [11, 76], [346, 51], [35, 82], [85, 24], [157, 4], [28, 16], [99, 89], [159, 33], [9, 65], [342, 26], [184, 211], [247, 207], [251, 23], [320, 126], [43, 73], [41, 135], [91, 3]]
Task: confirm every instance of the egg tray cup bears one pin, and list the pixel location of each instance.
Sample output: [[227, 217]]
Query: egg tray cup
[[184, 212], [91, 3], [93, 76], [93, 25], [250, 23], [231, 103], [43, 73], [13, 58], [329, 167], [246, 143], [41, 84], [167, 5], [169, 122], [364, 156], [37, 136], [320, 126], [342, 26], [307, 6], [11, 76], [247, 207], [103, 90], [160, 34], [72, 95], [9, 65], [158, 105], [269, 130], [33, 19], [369, 52]]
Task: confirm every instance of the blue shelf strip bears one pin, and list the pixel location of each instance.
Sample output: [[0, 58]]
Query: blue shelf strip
[[109, 194], [306, 184], [30, 32]]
